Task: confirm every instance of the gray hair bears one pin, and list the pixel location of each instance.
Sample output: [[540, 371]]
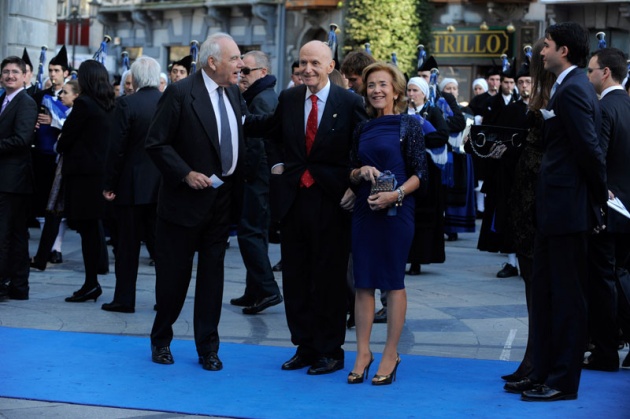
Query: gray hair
[[211, 48], [261, 59], [145, 71]]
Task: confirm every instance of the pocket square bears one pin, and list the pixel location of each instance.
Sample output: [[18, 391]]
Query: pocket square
[[547, 114]]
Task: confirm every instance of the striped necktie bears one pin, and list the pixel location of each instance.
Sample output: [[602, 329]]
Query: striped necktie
[[225, 137]]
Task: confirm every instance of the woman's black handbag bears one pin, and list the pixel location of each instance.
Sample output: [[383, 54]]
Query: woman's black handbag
[[487, 141]]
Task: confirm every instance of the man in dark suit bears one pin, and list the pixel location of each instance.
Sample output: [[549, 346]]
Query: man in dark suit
[[312, 161], [18, 114], [196, 140], [570, 192], [606, 69], [132, 180], [261, 289]]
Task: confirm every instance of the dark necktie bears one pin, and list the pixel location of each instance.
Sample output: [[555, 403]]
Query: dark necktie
[[306, 181], [225, 136]]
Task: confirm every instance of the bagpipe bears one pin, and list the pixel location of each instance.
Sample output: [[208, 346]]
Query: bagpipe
[[488, 141], [101, 54], [40, 69], [194, 52]]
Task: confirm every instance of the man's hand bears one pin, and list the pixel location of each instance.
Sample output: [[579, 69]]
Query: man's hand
[[278, 169], [197, 180], [44, 119], [347, 201], [109, 195]]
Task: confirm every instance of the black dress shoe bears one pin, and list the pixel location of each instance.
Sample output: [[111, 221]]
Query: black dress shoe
[[14, 295], [55, 257], [263, 303], [414, 269], [38, 265], [597, 363], [325, 365], [82, 295], [507, 271], [277, 267], [452, 237], [512, 378], [243, 301], [211, 362], [117, 307], [162, 355], [518, 387], [297, 362], [381, 316], [543, 393]]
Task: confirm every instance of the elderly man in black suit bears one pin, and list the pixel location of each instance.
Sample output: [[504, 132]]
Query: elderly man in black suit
[[261, 289], [570, 193], [132, 180], [311, 139], [606, 69], [18, 114], [196, 140]]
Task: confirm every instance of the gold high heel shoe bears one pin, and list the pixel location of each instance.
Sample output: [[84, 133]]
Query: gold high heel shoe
[[383, 380], [354, 378]]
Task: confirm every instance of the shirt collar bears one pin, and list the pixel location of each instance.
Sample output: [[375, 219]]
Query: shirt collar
[[12, 95], [564, 74], [322, 95], [211, 85], [610, 89]]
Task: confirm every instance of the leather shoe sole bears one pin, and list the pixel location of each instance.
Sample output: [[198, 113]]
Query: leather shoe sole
[[297, 362], [211, 362], [546, 394], [596, 364], [162, 355], [325, 366], [260, 305]]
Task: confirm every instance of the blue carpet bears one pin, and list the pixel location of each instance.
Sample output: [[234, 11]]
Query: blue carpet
[[116, 371]]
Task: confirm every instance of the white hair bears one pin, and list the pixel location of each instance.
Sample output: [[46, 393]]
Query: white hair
[[145, 71], [211, 48]]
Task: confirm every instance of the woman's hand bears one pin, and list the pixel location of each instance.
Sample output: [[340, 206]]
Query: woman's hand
[[368, 173], [382, 200]]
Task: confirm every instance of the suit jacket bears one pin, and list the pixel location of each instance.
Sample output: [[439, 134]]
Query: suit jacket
[[615, 143], [17, 123], [131, 173], [329, 159], [572, 181], [494, 114], [183, 137]]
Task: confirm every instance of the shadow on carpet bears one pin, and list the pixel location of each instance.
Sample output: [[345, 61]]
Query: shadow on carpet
[[116, 371]]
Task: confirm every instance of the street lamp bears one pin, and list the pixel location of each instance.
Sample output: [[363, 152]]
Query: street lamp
[[74, 18]]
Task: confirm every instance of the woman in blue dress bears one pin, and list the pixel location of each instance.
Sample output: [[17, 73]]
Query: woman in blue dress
[[383, 222]]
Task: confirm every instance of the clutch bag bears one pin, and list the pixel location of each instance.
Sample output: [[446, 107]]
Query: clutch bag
[[386, 182]]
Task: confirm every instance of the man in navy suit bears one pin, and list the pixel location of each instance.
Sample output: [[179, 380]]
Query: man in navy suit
[[606, 69], [314, 181], [18, 114], [196, 140], [570, 194]]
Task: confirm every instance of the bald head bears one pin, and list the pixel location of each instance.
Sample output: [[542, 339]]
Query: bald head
[[316, 63]]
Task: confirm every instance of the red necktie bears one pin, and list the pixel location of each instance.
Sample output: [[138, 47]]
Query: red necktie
[[306, 181]]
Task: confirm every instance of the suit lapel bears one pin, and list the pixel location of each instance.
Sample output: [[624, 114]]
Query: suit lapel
[[202, 106], [328, 117]]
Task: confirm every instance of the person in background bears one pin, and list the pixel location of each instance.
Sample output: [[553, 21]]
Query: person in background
[[18, 114], [132, 181], [610, 248], [352, 67], [83, 143], [382, 222], [180, 69], [261, 289], [428, 241], [296, 80], [54, 228], [163, 82]]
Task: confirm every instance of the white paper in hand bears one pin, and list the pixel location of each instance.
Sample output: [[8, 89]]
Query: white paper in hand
[[618, 206], [216, 181]]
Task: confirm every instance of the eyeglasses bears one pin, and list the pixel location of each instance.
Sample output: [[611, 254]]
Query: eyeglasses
[[247, 70], [14, 72], [590, 70]]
